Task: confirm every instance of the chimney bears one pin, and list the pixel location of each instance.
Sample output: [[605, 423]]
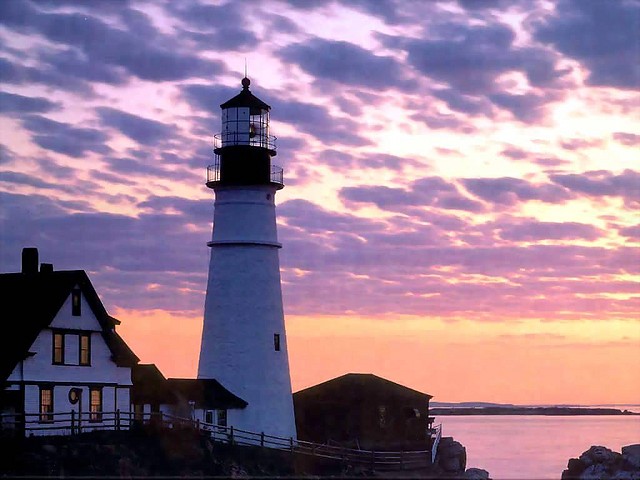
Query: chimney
[[46, 267], [29, 260]]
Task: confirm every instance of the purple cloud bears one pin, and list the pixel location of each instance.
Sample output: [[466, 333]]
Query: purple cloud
[[509, 191], [599, 34], [603, 183]]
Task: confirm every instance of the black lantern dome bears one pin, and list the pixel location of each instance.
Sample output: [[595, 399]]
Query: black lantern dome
[[244, 147]]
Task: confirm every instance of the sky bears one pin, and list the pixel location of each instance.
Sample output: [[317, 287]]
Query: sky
[[461, 209]]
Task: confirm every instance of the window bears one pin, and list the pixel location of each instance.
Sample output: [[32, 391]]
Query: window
[[95, 407], [46, 404], [276, 341], [85, 349], [75, 302], [208, 416], [222, 418], [382, 416], [58, 348]]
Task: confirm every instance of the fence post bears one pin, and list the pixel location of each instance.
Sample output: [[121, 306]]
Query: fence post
[[373, 460], [401, 459], [262, 439], [73, 422], [291, 444], [231, 435], [118, 419], [198, 424]]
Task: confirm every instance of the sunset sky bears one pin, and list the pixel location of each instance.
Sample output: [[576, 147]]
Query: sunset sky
[[462, 204]]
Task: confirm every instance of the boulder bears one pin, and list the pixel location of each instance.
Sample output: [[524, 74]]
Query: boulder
[[476, 474], [599, 455], [452, 456], [631, 455]]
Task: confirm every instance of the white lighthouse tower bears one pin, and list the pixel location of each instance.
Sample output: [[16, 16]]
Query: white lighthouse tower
[[244, 344]]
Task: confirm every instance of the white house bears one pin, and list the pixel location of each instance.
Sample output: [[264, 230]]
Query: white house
[[63, 365], [64, 369]]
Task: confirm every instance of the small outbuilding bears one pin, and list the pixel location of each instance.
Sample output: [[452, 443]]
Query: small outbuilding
[[364, 411]]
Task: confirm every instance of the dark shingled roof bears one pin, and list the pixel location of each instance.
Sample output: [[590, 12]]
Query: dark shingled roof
[[358, 381], [150, 386], [245, 99], [33, 299], [206, 393]]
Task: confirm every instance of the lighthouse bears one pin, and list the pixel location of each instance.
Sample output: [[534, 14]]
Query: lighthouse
[[244, 343]]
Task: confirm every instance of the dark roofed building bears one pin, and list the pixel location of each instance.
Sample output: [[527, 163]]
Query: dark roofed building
[[364, 411]]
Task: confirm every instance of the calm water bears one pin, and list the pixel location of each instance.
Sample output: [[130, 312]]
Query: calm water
[[535, 446]]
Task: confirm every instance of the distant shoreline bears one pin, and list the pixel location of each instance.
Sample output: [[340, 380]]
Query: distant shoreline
[[549, 411]]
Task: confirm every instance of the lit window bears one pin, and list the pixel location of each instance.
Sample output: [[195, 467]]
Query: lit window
[[46, 404], [276, 341], [58, 348], [75, 302], [85, 349], [95, 407]]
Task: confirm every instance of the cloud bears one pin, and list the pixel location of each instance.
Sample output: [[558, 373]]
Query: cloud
[[632, 232], [509, 191], [318, 122], [142, 130], [64, 138], [469, 59], [346, 63], [429, 191], [603, 183], [534, 230], [625, 138], [219, 27], [598, 34], [13, 103], [102, 44]]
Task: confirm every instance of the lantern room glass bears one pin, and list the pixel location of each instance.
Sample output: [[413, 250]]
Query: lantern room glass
[[245, 126]]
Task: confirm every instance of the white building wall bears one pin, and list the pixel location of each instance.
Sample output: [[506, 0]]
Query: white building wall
[[243, 311]]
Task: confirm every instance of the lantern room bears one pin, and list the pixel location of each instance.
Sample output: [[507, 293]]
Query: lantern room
[[244, 147], [245, 121]]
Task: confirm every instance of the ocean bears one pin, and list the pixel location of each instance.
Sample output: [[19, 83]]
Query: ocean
[[535, 446]]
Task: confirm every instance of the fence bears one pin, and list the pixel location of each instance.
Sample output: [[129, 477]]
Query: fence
[[70, 423]]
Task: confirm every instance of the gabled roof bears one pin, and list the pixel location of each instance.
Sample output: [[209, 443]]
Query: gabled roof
[[206, 393], [34, 299], [364, 383]]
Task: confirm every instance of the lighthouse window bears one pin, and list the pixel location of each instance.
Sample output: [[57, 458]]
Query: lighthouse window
[[276, 341]]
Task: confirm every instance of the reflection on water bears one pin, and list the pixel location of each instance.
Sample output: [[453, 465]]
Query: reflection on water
[[534, 446]]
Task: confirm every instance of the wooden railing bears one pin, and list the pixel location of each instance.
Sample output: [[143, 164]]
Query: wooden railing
[[71, 423]]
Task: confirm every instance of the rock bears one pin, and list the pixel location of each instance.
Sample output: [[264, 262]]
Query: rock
[[452, 456], [597, 471], [625, 475], [631, 455], [476, 474], [599, 455]]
